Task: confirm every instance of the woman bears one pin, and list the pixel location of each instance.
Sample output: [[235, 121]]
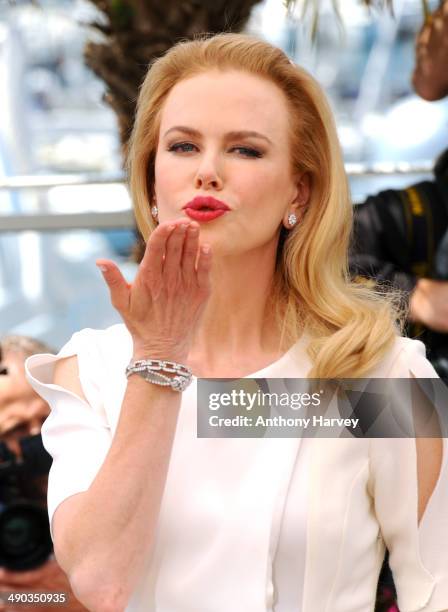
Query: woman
[[145, 515]]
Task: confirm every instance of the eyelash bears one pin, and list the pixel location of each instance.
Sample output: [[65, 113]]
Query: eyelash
[[253, 153]]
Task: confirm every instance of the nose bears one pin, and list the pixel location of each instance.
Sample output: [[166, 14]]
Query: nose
[[208, 176]]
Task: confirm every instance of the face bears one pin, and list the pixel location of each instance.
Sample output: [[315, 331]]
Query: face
[[22, 411], [226, 135]]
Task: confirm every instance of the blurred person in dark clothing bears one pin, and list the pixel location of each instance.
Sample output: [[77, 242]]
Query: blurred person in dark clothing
[[22, 413], [401, 235]]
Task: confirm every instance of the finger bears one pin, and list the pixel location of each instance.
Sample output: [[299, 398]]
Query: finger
[[436, 27], [118, 287], [152, 262], [38, 408], [424, 36], [13, 417], [190, 251], [204, 266], [8, 418], [438, 24], [27, 577], [175, 245], [11, 580], [9, 424]]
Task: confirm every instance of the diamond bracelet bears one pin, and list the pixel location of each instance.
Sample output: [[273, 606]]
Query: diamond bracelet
[[151, 371]]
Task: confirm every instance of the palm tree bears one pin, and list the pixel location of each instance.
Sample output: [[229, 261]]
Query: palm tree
[[135, 32]]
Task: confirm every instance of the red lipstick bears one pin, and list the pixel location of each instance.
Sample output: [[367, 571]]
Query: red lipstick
[[205, 208]]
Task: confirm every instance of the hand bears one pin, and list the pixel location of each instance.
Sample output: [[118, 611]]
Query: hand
[[429, 304], [430, 78], [29, 412], [163, 305], [48, 578]]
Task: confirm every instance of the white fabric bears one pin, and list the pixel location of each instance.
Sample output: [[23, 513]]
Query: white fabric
[[275, 524]]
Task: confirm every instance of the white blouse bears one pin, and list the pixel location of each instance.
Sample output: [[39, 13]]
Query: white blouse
[[262, 524]]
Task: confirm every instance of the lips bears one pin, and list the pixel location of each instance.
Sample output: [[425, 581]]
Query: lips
[[205, 208], [206, 203]]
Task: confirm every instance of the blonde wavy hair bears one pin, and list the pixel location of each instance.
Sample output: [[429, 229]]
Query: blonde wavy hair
[[350, 326]]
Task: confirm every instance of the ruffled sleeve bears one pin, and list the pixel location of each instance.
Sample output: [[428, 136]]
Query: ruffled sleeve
[[418, 552], [77, 433]]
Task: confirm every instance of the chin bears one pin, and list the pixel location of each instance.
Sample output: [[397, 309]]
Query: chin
[[215, 243]]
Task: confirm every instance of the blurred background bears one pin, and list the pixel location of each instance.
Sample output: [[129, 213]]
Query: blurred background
[[63, 201]]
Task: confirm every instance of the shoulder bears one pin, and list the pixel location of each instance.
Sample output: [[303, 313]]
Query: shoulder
[[102, 355], [114, 336], [106, 346], [406, 358], [87, 364]]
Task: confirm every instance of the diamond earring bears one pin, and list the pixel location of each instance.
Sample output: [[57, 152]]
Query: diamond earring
[[292, 219], [154, 212]]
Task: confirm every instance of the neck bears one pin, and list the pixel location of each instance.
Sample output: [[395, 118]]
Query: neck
[[235, 321]]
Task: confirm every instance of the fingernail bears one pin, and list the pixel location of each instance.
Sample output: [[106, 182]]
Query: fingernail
[[206, 249], [102, 268]]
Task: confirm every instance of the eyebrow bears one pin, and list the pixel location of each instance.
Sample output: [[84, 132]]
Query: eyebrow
[[230, 135]]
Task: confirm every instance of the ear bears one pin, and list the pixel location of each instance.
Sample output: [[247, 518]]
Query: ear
[[301, 197]]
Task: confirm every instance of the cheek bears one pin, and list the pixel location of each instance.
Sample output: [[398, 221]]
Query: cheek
[[265, 188], [161, 170], [172, 176], [267, 177]]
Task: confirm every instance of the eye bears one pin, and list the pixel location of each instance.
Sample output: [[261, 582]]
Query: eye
[[183, 147], [188, 147], [248, 151]]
